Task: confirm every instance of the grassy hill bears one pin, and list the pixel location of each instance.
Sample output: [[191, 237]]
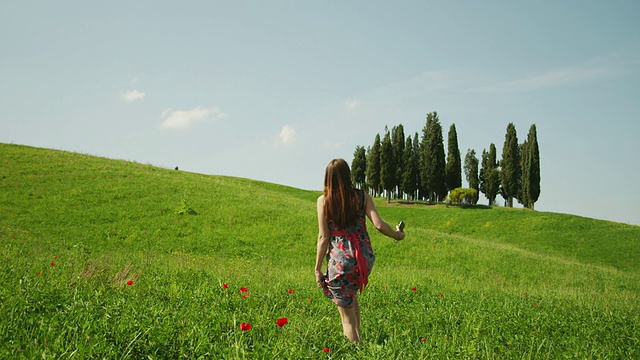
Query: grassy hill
[[106, 258]]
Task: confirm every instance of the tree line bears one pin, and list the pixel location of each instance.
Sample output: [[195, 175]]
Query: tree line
[[416, 167]]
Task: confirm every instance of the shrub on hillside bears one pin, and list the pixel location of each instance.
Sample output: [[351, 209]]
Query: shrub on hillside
[[463, 196]]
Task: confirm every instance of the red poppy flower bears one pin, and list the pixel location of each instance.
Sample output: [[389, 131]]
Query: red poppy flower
[[282, 321], [130, 282], [413, 289], [290, 291], [39, 272], [441, 295], [55, 257], [245, 326], [244, 289], [423, 339], [325, 350], [310, 299], [524, 293], [53, 264], [245, 296], [225, 286]]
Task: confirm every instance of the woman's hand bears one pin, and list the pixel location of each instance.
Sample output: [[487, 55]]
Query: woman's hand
[[319, 278], [399, 234]]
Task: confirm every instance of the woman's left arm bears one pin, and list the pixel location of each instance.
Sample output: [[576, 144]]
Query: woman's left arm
[[323, 240]]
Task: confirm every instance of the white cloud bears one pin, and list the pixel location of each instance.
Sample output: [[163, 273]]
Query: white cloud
[[133, 95], [351, 105], [287, 135], [182, 119]]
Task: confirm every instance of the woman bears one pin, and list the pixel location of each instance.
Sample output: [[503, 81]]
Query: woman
[[344, 240]]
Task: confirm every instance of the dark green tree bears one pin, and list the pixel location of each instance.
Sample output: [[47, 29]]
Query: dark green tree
[[410, 173], [471, 172], [432, 163], [510, 166], [387, 166], [373, 167], [420, 191], [489, 175], [398, 144], [530, 169], [453, 168], [359, 167]]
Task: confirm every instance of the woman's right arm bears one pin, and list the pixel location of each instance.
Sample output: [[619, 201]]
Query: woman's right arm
[[323, 240], [372, 213]]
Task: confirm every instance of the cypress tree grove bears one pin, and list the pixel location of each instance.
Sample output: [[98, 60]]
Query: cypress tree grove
[[359, 167], [453, 168], [471, 171], [387, 166], [510, 166], [373, 167]]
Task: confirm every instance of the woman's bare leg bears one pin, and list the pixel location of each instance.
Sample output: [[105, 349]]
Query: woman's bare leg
[[350, 322], [357, 306]]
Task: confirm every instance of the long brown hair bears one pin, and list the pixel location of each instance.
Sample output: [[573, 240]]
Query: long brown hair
[[341, 205]]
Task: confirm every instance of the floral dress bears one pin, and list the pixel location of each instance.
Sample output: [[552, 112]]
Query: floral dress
[[350, 259]]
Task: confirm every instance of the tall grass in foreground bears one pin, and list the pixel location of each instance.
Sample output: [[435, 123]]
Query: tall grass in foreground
[[100, 260]]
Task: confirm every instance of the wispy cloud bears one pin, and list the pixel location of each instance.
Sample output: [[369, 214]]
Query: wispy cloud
[[287, 136], [590, 70], [351, 105], [133, 95], [182, 119]]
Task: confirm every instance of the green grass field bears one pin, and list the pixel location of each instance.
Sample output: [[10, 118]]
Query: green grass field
[[113, 259]]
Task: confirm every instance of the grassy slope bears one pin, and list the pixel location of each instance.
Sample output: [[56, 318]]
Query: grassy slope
[[109, 221]]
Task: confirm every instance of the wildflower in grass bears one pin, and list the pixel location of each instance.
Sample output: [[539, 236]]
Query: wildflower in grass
[[245, 326], [423, 339], [225, 286], [310, 299], [130, 282], [39, 272], [290, 291], [55, 257], [414, 289], [244, 289], [441, 295], [282, 321], [325, 350], [53, 264], [524, 293], [245, 296]]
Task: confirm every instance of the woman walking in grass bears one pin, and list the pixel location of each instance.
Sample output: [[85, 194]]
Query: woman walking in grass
[[344, 241]]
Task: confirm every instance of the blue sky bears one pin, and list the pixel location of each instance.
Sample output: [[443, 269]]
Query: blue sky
[[273, 90]]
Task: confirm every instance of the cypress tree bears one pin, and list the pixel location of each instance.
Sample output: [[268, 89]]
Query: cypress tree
[[471, 172], [398, 143], [432, 164], [359, 167], [453, 169], [510, 166], [387, 166], [531, 168], [489, 175], [410, 172], [373, 166], [420, 192]]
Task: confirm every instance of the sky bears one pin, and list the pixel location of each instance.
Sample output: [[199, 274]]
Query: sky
[[273, 90]]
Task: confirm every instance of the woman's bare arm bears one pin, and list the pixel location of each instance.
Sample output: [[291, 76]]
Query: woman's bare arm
[[376, 220], [323, 240]]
